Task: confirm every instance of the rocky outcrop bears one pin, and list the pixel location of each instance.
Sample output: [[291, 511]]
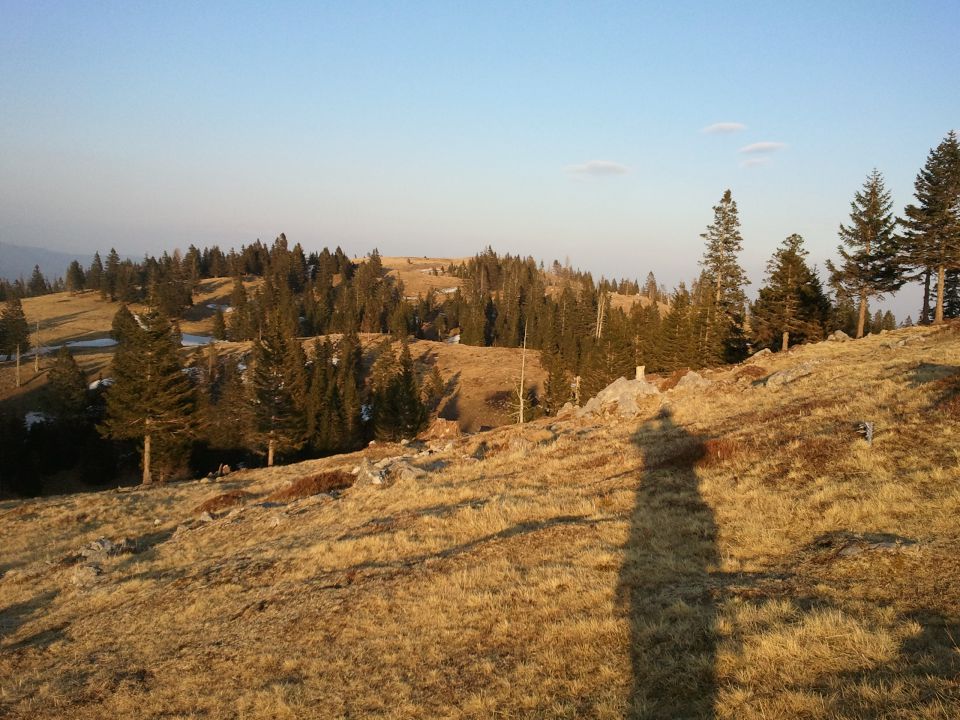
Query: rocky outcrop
[[620, 398]]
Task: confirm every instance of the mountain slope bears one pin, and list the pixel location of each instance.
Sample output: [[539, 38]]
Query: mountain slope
[[736, 550], [18, 261]]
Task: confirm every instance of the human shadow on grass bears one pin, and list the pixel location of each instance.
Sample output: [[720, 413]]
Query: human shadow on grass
[[665, 583]]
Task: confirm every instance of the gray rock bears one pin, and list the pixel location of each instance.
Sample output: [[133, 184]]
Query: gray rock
[[838, 336], [760, 353], [693, 381], [205, 517], [402, 470], [620, 396], [791, 374], [367, 474], [103, 548]]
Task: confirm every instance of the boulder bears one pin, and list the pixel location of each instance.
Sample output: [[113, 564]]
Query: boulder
[[838, 336], [440, 429], [86, 575], [619, 397], [789, 375], [693, 381], [103, 548], [367, 474]]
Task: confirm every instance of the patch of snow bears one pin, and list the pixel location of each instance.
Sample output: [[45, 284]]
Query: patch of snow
[[366, 412], [34, 418], [453, 339], [222, 308], [448, 291], [102, 382], [188, 340], [95, 343]]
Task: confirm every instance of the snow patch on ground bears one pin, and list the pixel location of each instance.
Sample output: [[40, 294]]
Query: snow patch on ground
[[453, 339], [102, 382], [188, 340], [34, 418]]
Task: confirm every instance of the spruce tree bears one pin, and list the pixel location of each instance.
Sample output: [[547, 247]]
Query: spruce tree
[[14, 331], [871, 252], [151, 398], [95, 273], [75, 277], [933, 223], [727, 279], [792, 305], [110, 279], [67, 394], [219, 326], [405, 397], [279, 392]]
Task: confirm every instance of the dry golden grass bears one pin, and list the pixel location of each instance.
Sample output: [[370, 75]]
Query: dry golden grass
[[733, 555]]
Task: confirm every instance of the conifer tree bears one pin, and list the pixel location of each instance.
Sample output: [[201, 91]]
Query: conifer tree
[[219, 326], [933, 223], [870, 264], [14, 332], [405, 392], [279, 392], [75, 277], [110, 279], [792, 305], [95, 273], [38, 283], [67, 394], [723, 338], [151, 399], [556, 391]]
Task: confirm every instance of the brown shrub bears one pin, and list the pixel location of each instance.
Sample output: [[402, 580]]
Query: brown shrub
[[671, 382], [719, 450], [309, 485], [222, 502], [751, 372]]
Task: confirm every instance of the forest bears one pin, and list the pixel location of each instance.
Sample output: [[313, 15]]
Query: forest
[[173, 413]]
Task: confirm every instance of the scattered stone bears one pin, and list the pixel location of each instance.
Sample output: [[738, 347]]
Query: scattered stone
[[838, 336], [102, 548], [792, 374], [367, 474], [760, 353], [693, 381], [404, 442], [402, 470], [205, 517], [620, 396], [848, 544]]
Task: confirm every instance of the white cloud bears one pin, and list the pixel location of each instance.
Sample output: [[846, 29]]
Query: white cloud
[[755, 161], [599, 168], [724, 128], [758, 148]]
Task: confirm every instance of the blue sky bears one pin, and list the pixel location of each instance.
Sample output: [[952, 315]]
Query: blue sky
[[551, 129]]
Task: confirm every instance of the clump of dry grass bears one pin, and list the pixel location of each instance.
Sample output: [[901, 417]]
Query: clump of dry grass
[[751, 372], [223, 501], [325, 482], [670, 382]]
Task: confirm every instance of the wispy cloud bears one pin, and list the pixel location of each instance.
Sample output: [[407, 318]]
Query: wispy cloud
[[762, 148], [724, 128], [755, 161], [599, 168]]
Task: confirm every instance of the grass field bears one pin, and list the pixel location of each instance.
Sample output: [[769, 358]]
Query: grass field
[[738, 551]]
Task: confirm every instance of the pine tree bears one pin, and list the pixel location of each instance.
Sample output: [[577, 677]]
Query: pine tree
[[75, 277], [933, 224], [110, 279], [14, 331], [67, 394], [405, 392], [95, 273], [872, 267], [151, 399], [727, 279], [792, 305], [556, 391], [38, 283], [219, 326], [279, 392]]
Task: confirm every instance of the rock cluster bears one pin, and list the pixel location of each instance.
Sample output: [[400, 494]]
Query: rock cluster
[[619, 397]]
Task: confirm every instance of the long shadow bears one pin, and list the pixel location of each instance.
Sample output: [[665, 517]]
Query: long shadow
[[665, 582]]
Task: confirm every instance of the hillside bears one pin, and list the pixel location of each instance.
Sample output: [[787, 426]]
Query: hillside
[[18, 261], [735, 550]]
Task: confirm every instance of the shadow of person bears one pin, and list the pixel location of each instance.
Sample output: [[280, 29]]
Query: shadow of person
[[665, 583]]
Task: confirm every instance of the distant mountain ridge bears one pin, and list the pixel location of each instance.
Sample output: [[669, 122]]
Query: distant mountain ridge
[[18, 260]]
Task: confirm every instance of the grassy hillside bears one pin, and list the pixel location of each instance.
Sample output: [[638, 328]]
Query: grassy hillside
[[736, 551]]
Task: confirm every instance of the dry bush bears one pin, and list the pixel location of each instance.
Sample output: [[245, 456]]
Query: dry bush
[[222, 502], [751, 372], [671, 382], [325, 482], [720, 450]]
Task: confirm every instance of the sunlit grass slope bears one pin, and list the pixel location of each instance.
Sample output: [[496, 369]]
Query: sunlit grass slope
[[738, 551]]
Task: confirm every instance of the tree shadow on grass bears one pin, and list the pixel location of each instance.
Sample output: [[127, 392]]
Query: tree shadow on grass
[[665, 582]]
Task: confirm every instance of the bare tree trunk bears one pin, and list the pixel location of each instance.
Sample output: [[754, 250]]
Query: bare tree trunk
[[862, 320], [36, 352], [941, 279], [18, 364], [786, 341], [523, 366], [271, 448], [147, 477], [601, 311], [925, 311]]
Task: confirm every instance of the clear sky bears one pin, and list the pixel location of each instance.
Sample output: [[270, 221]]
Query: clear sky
[[550, 129]]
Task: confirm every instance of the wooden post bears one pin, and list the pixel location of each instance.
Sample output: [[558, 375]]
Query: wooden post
[[786, 341], [576, 390], [523, 366], [640, 372], [271, 448], [147, 477]]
